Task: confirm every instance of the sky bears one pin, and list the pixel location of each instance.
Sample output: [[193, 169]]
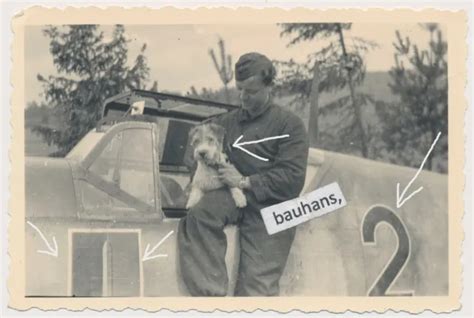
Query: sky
[[178, 55]]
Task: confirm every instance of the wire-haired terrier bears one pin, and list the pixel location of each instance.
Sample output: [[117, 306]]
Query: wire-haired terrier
[[207, 142]]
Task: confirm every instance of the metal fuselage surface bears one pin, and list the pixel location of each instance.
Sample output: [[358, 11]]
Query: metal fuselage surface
[[103, 222]]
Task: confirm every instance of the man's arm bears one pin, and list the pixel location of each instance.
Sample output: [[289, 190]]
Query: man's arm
[[286, 178]]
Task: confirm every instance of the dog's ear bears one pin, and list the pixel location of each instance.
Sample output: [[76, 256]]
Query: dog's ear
[[218, 131]]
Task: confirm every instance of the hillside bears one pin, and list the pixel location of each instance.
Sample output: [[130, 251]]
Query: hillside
[[375, 84]]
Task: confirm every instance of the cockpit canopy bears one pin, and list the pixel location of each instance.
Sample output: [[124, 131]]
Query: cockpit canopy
[[156, 104]]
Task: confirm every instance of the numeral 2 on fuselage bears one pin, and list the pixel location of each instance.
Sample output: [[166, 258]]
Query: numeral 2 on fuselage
[[375, 216]]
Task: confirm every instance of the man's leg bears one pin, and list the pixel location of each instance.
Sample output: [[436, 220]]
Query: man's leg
[[262, 256], [202, 243]]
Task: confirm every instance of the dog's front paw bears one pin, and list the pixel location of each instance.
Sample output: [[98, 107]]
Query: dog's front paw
[[192, 202], [194, 197], [190, 205], [239, 197], [241, 202]]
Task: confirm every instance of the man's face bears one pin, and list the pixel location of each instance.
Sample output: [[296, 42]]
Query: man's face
[[253, 93]]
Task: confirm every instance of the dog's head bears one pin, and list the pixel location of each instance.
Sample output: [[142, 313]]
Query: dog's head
[[206, 141]]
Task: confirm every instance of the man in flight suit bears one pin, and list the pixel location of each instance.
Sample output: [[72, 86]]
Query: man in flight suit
[[201, 239]]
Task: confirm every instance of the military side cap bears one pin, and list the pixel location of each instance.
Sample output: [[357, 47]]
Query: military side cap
[[253, 63]]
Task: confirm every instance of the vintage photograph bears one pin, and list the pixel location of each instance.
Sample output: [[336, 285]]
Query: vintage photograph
[[278, 159]]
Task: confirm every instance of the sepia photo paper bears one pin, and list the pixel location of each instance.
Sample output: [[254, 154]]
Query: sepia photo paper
[[237, 159]]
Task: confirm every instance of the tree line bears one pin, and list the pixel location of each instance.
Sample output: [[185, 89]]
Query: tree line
[[400, 131]]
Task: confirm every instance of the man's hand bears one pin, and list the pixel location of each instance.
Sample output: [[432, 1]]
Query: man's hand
[[229, 175]]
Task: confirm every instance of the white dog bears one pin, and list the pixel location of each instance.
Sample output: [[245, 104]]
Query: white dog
[[206, 141]]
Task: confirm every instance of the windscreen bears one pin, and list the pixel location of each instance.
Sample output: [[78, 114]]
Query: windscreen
[[84, 147]]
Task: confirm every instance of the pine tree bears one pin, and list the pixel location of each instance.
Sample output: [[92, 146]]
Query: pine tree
[[225, 68], [90, 69], [419, 79], [333, 68]]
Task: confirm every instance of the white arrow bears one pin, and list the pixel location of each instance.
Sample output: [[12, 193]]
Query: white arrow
[[400, 200], [148, 252], [51, 251], [239, 145]]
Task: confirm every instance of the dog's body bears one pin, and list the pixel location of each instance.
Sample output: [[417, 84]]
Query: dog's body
[[207, 143]]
